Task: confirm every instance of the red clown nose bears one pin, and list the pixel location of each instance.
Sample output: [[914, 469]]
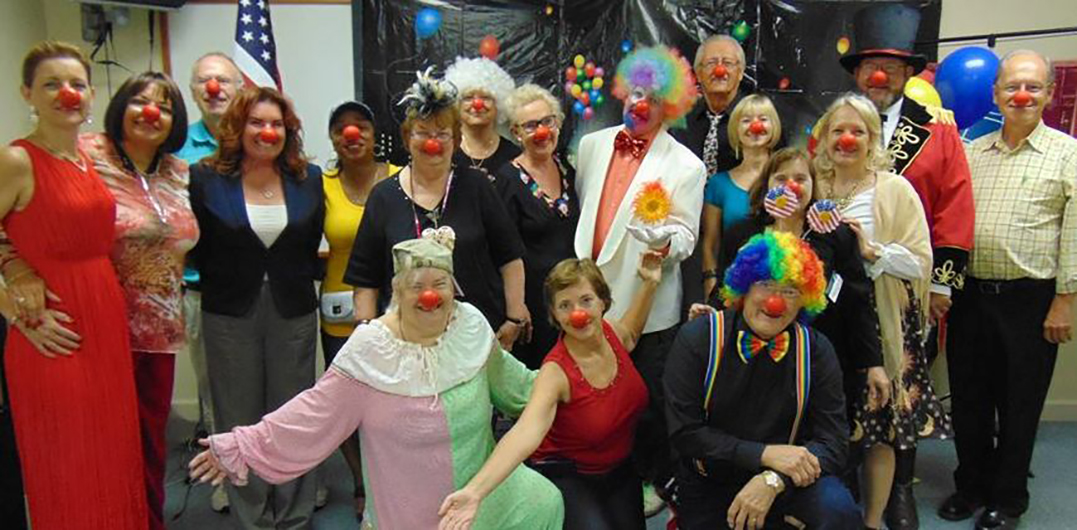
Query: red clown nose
[[579, 319], [847, 143], [478, 105], [542, 133], [213, 88], [774, 306], [429, 300], [351, 134], [1022, 98], [269, 136], [432, 147], [879, 79], [794, 187], [756, 128], [642, 110], [69, 98], [720, 72], [151, 113]]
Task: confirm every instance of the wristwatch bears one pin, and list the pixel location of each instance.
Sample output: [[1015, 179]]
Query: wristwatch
[[772, 479]]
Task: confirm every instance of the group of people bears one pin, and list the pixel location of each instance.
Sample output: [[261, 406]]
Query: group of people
[[690, 313]]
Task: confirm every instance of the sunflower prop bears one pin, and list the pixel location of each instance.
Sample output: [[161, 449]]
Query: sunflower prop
[[651, 205]]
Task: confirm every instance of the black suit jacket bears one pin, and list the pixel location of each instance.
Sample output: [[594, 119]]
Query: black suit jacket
[[234, 262]]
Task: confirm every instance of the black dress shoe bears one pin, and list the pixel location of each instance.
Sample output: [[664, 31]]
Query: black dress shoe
[[901, 510], [995, 520], [958, 507]]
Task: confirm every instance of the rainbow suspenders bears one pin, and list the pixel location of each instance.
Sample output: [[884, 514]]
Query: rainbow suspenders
[[803, 378]]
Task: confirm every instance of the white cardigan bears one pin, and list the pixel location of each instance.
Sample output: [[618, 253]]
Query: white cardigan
[[683, 175]]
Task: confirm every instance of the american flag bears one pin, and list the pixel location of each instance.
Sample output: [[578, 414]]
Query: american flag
[[824, 216], [781, 202], [256, 50]]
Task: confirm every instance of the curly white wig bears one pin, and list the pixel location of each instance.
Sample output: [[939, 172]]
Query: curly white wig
[[483, 74]]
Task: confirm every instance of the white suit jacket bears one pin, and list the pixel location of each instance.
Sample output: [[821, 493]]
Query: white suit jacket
[[683, 175]]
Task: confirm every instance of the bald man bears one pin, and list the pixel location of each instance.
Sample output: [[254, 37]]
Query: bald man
[[1016, 307]]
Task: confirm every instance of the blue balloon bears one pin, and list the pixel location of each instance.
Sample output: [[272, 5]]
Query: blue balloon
[[594, 94], [626, 45], [964, 81], [578, 107], [987, 125], [427, 22]]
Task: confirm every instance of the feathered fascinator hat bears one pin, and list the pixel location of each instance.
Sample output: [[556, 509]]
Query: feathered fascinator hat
[[780, 257], [427, 95], [661, 72], [482, 74]]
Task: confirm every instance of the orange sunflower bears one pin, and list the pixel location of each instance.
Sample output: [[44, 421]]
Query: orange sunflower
[[651, 205]]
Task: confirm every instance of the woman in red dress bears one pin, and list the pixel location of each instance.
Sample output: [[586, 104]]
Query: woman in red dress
[[75, 411]]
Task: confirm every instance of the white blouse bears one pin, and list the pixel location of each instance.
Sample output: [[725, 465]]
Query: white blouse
[[267, 221], [893, 259]]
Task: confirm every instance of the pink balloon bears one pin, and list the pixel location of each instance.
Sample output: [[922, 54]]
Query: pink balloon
[[599, 72], [588, 113]]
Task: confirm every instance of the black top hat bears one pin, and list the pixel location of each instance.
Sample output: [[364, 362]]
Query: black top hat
[[886, 30]]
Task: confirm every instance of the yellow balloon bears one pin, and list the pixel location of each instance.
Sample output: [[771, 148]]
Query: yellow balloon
[[922, 92], [579, 61], [597, 82], [576, 90]]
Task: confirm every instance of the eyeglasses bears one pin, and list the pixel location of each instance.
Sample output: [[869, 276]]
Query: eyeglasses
[[773, 287], [728, 63], [548, 121], [441, 136], [890, 69], [221, 80], [473, 97]]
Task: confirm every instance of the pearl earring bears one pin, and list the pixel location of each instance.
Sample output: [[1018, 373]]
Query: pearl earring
[[33, 115]]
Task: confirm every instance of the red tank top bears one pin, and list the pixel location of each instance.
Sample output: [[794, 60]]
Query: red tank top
[[595, 429]]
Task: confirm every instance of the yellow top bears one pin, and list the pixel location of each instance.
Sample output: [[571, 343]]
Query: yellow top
[[342, 218]]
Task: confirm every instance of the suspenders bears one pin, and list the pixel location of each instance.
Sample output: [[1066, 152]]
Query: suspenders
[[802, 359]]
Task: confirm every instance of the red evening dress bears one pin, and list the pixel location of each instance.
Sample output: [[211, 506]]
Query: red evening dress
[[76, 418]]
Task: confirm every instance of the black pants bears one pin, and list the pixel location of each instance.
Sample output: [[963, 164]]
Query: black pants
[[703, 504], [12, 505], [651, 451], [610, 501], [1000, 366]]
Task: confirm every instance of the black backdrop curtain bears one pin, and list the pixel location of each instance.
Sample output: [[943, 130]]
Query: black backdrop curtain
[[791, 50]]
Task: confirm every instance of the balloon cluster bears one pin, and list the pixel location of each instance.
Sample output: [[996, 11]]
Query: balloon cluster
[[584, 81]]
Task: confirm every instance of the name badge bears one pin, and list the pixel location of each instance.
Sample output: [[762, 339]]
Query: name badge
[[833, 289]]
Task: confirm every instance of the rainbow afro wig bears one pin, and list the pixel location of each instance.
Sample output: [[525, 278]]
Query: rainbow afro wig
[[662, 73], [783, 258]]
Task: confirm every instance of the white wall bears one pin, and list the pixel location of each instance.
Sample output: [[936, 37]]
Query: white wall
[[22, 24], [314, 54]]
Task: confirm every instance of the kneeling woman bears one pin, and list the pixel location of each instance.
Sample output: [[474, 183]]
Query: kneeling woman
[[583, 409], [418, 384]]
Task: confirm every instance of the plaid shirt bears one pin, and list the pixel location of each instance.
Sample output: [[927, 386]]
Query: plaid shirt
[[1026, 217]]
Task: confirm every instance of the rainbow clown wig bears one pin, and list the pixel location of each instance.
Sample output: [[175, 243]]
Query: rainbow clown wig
[[662, 73], [780, 257]]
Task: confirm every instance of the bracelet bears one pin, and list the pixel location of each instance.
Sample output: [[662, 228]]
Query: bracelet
[[710, 274], [517, 321], [20, 274]]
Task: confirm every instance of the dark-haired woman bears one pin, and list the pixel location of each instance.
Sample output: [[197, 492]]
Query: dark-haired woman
[[260, 207], [849, 321], [68, 361], [145, 122]]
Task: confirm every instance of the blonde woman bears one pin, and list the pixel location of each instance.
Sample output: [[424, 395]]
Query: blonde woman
[[540, 196], [886, 214], [754, 130]]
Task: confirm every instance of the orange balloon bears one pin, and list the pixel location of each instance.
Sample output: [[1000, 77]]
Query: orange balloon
[[489, 47]]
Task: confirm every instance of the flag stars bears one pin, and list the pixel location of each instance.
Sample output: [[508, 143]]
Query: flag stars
[[245, 3], [246, 19], [262, 21], [266, 56], [264, 38], [261, 4], [248, 36]]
